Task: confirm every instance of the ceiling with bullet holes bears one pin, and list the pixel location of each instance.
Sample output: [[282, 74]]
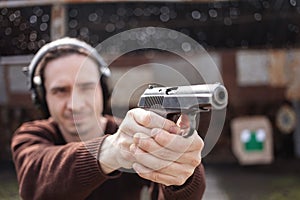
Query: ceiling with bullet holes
[[215, 25]]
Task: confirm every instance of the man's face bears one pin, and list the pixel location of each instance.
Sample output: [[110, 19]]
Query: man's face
[[74, 95]]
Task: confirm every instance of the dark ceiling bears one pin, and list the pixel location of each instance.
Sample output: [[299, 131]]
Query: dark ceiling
[[216, 25]]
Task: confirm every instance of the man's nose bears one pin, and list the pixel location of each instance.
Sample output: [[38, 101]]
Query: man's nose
[[75, 101]]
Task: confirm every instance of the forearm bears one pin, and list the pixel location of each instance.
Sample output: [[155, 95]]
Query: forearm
[[58, 172]]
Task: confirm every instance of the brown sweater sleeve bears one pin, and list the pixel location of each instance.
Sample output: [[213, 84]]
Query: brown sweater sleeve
[[49, 171]]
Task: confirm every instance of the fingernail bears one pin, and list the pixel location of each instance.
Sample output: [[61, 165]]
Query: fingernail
[[136, 139], [183, 125], [175, 129], [132, 148]]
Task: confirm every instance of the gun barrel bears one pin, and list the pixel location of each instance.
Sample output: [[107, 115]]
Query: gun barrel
[[185, 97]]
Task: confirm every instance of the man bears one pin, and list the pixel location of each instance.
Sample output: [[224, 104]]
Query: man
[[80, 153]]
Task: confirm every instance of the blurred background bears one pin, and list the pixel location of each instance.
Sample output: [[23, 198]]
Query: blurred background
[[254, 43]]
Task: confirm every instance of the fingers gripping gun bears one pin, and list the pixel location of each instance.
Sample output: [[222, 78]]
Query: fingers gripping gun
[[170, 102]]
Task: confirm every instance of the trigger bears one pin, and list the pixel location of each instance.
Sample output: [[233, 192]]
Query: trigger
[[192, 119]]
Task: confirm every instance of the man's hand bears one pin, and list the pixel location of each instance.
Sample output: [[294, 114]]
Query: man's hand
[[165, 157], [115, 151]]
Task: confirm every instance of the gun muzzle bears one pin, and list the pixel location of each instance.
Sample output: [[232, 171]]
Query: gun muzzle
[[219, 97]]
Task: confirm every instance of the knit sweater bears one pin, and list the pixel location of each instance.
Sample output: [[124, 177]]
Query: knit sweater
[[49, 168]]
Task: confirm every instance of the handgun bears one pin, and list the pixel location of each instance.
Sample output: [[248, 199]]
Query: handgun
[[171, 102]]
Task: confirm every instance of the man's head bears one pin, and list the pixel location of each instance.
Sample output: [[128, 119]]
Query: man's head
[[68, 79], [55, 50]]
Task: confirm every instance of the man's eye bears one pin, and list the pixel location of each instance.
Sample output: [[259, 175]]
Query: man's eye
[[88, 87], [60, 91]]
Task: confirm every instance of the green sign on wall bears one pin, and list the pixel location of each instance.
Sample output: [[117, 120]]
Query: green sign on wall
[[253, 140]]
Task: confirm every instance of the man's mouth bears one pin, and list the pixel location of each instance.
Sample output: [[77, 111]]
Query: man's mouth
[[75, 118]]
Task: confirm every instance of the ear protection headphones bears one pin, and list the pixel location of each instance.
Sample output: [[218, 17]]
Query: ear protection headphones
[[35, 78]]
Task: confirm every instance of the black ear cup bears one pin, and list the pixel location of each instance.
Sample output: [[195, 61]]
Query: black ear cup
[[105, 84], [35, 98], [40, 101], [36, 84]]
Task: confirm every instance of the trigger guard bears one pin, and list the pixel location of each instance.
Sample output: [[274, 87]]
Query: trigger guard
[[190, 133]]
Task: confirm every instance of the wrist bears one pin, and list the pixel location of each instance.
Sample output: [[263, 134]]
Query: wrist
[[107, 156]]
